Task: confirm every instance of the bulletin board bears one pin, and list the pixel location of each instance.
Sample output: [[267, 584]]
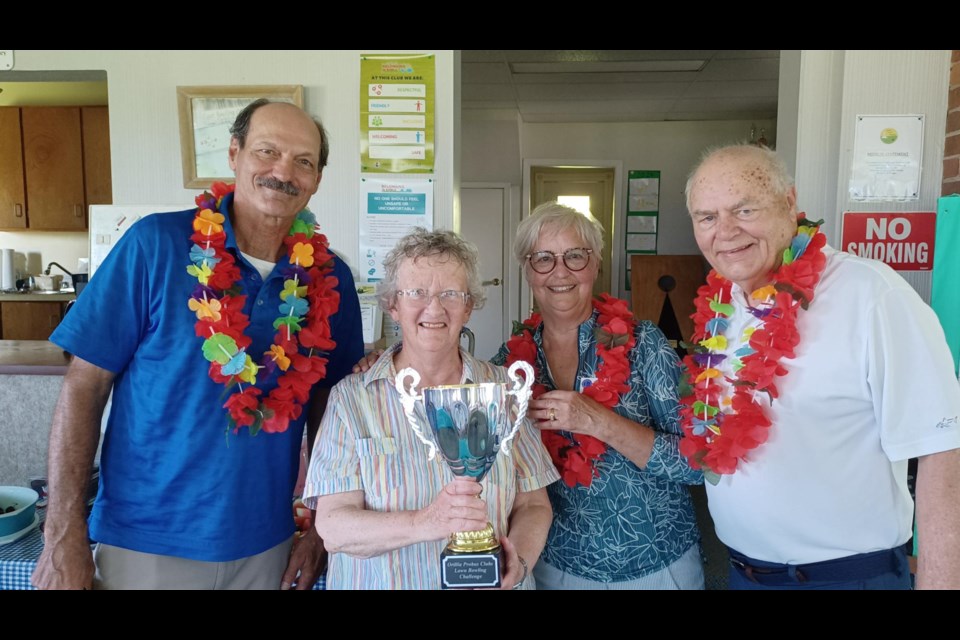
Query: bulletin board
[[643, 216]]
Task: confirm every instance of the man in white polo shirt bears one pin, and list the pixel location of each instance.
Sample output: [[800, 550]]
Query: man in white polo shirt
[[818, 375]]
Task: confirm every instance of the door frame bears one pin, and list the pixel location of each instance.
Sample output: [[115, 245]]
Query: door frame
[[511, 271], [617, 281]]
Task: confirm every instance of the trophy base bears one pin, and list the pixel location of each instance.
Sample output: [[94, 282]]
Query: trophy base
[[470, 570], [471, 561]]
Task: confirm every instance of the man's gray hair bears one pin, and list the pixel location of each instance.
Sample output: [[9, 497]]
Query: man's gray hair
[[776, 168], [241, 127], [556, 216], [442, 244]]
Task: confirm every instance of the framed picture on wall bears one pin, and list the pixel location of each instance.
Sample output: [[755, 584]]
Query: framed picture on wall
[[206, 114]]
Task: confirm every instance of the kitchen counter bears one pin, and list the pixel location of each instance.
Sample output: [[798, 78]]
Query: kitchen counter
[[37, 296], [31, 375], [32, 357]]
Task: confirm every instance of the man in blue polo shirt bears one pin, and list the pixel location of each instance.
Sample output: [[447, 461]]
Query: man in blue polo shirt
[[210, 326]]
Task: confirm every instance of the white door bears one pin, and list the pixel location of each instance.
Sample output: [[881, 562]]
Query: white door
[[482, 223]]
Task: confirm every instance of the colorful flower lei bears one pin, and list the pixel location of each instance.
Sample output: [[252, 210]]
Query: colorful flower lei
[[309, 296], [719, 431], [576, 456]]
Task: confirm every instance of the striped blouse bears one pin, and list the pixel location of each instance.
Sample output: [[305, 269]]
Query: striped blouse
[[365, 444]]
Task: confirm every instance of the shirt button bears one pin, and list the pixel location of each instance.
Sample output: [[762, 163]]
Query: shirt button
[[260, 302]]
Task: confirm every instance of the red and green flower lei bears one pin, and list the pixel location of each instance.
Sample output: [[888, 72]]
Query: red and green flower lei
[[576, 456], [722, 420], [308, 298]]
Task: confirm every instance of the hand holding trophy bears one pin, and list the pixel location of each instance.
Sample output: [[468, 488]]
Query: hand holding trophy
[[469, 424]]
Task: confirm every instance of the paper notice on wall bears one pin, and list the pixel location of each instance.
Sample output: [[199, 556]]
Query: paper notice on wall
[[389, 209], [887, 158]]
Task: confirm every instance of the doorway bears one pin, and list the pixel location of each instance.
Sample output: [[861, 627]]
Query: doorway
[[586, 189]]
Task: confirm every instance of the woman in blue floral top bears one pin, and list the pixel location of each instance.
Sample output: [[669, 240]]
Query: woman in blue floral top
[[623, 517]]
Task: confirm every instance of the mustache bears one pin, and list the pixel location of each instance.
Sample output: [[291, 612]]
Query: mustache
[[278, 185]]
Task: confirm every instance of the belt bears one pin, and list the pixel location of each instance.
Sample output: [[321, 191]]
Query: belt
[[858, 567]]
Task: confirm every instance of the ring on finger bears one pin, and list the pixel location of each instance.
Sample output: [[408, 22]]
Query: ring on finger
[[553, 414]]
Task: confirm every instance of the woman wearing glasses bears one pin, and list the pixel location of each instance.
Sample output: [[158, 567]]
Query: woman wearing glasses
[[607, 408], [384, 509]]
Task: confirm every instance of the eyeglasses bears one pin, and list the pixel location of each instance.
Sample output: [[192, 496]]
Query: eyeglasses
[[450, 300], [573, 259]]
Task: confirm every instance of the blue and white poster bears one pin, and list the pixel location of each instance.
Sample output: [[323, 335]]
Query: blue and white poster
[[389, 209]]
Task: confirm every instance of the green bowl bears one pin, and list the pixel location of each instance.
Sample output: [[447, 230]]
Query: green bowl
[[24, 503]]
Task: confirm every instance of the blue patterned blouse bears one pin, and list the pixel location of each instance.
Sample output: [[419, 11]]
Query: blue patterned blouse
[[630, 522]]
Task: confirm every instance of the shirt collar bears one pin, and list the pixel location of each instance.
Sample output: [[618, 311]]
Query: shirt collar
[[226, 205], [384, 369], [584, 333]]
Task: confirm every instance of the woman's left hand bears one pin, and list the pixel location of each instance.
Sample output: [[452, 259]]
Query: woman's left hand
[[569, 411], [513, 570]]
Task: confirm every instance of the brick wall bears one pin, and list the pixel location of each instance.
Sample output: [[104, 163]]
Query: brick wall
[[951, 147]]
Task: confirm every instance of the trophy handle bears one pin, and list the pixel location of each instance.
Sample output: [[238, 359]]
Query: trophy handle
[[409, 401], [521, 389]]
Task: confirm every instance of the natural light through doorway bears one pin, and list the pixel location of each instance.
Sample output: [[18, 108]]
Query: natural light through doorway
[[580, 203]]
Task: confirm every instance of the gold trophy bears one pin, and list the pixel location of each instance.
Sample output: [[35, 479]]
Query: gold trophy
[[470, 425]]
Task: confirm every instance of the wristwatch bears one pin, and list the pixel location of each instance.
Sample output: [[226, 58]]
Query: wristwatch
[[523, 563]]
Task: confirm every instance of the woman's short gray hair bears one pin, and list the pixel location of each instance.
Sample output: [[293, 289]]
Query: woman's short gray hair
[[560, 218], [421, 243]]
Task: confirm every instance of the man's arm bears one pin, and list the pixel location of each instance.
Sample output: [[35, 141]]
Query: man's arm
[[66, 561], [938, 520]]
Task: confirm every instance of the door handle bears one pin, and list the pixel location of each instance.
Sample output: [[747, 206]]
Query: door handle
[[18, 210], [491, 283]]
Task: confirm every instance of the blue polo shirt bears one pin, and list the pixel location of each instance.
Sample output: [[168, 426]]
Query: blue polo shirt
[[173, 479]]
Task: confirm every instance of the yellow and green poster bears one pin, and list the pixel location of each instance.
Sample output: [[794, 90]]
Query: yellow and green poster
[[397, 103]]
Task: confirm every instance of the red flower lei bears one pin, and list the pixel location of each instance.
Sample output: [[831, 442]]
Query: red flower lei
[[718, 433], [309, 295], [576, 456]]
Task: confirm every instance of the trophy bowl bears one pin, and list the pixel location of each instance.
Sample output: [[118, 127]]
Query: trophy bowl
[[470, 425]]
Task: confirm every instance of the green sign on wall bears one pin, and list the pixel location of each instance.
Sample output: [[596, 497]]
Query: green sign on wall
[[397, 103]]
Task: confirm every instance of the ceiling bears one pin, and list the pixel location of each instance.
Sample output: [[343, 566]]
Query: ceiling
[[620, 86]]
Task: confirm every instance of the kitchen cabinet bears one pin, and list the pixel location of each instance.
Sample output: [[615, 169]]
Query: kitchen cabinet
[[53, 168], [29, 320], [63, 165], [95, 124], [13, 201]]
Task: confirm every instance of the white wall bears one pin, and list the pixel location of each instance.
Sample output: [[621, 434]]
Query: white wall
[[670, 147], [144, 129], [491, 151]]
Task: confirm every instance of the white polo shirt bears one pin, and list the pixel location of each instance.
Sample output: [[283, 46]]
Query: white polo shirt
[[872, 385]]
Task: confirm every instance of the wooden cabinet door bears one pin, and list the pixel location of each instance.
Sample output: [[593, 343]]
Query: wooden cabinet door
[[96, 155], [13, 203], [53, 164], [29, 320]]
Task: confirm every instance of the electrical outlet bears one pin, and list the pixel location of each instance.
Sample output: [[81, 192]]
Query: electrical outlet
[[6, 59]]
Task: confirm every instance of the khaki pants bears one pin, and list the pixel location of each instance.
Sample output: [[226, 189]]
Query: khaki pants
[[119, 568]]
